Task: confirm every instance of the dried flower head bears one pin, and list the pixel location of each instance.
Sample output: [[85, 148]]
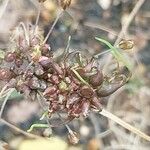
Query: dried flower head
[[73, 86]]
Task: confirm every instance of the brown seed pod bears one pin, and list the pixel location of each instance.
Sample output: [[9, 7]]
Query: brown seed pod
[[65, 3]]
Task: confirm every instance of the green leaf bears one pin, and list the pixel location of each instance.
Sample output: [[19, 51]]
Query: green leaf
[[116, 53], [37, 126]]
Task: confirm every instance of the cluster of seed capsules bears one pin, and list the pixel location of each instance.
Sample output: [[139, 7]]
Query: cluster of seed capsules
[[73, 84]]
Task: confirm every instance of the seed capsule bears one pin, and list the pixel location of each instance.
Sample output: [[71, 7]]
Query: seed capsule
[[10, 57], [34, 83], [38, 70], [5, 74], [126, 44], [96, 79], [18, 62], [45, 62], [107, 90], [49, 91], [86, 92]]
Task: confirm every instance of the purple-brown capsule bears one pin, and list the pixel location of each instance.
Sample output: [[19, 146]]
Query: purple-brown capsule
[[18, 62], [34, 83], [107, 90], [10, 57], [5, 74], [96, 79], [45, 62], [86, 91]]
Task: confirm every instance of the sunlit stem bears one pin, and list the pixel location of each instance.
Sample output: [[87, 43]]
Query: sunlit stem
[[124, 124]]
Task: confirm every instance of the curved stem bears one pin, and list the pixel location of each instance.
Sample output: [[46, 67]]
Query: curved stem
[[5, 101]]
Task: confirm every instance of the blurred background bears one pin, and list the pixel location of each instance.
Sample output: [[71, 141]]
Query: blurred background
[[83, 21]]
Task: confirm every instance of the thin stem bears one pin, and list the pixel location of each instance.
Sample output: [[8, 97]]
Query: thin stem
[[53, 25], [3, 7], [68, 128], [102, 53], [37, 18], [39, 100], [3, 89], [68, 45], [5, 101], [124, 124], [25, 32], [79, 77], [18, 129]]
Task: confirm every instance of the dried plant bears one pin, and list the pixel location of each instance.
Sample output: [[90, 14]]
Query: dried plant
[[73, 85]]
